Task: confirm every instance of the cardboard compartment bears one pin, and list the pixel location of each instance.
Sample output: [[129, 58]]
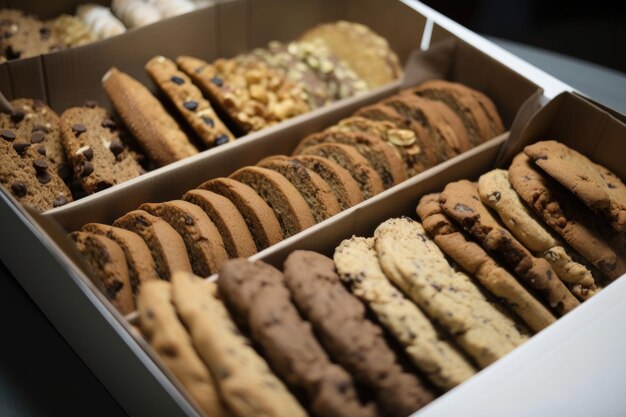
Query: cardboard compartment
[[453, 60]]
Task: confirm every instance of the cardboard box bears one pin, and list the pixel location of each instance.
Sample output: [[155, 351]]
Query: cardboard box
[[136, 378]]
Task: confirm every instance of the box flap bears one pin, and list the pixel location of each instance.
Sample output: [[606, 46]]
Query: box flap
[[571, 119]]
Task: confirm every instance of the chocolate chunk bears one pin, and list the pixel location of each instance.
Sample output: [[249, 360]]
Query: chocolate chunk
[[40, 128], [43, 177], [221, 139], [208, 121], [113, 289], [21, 147], [495, 196], [42, 150], [116, 147], [88, 154], [40, 165], [7, 134], [78, 129], [191, 105], [462, 208], [103, 185], [177, 80], [19, 188], [217, 81], [45, 33], [86, 169], [108, 124], [90, 104], [37, 137], [59, 201], [17, 115]]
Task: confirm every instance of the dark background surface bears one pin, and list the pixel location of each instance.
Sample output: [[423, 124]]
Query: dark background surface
[[594, 31]]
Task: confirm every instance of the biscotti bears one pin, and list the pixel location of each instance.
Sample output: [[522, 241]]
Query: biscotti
[[290, 208], [251, 94], [94, 146], [203, 241], [315, 191], [166, 245], [108, 265], [189, 102], [156, 131], [27, 175]]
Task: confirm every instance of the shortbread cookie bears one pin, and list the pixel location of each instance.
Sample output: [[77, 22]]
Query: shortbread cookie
[[496, 192], [100, 21], [339, 179], [476, 110], [566, 215], [166, 245], [93, 145], [108, 265], [443, 125], [189, 102], [418, 267], [381, 156], [156, 131], [315, 191], [245, 382], [27, 175], [403, 140], [25, 36], [600, 189], [230, 223], [259, 216], [38, 124], [366, 52], [204, 243], [141, 266], [257, 295], [253, 95], [290, 208], [349, 158], [461, 202], [352, 341], [357, 265], [163, 330], [425, 154], [475, 261]]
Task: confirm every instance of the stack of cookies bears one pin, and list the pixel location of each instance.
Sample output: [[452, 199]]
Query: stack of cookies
[[331, 171], [492, 263]]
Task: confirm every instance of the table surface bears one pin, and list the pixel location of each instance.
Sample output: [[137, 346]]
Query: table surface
[[40, 375]]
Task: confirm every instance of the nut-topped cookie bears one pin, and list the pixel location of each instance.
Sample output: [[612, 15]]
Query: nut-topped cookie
[[94, 145], [189, 102], [366, 52], [250, 93], [38, 124]]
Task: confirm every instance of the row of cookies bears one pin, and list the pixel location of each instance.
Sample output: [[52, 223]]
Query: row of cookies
[[258, 206], [261, 342], [48, 160]]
